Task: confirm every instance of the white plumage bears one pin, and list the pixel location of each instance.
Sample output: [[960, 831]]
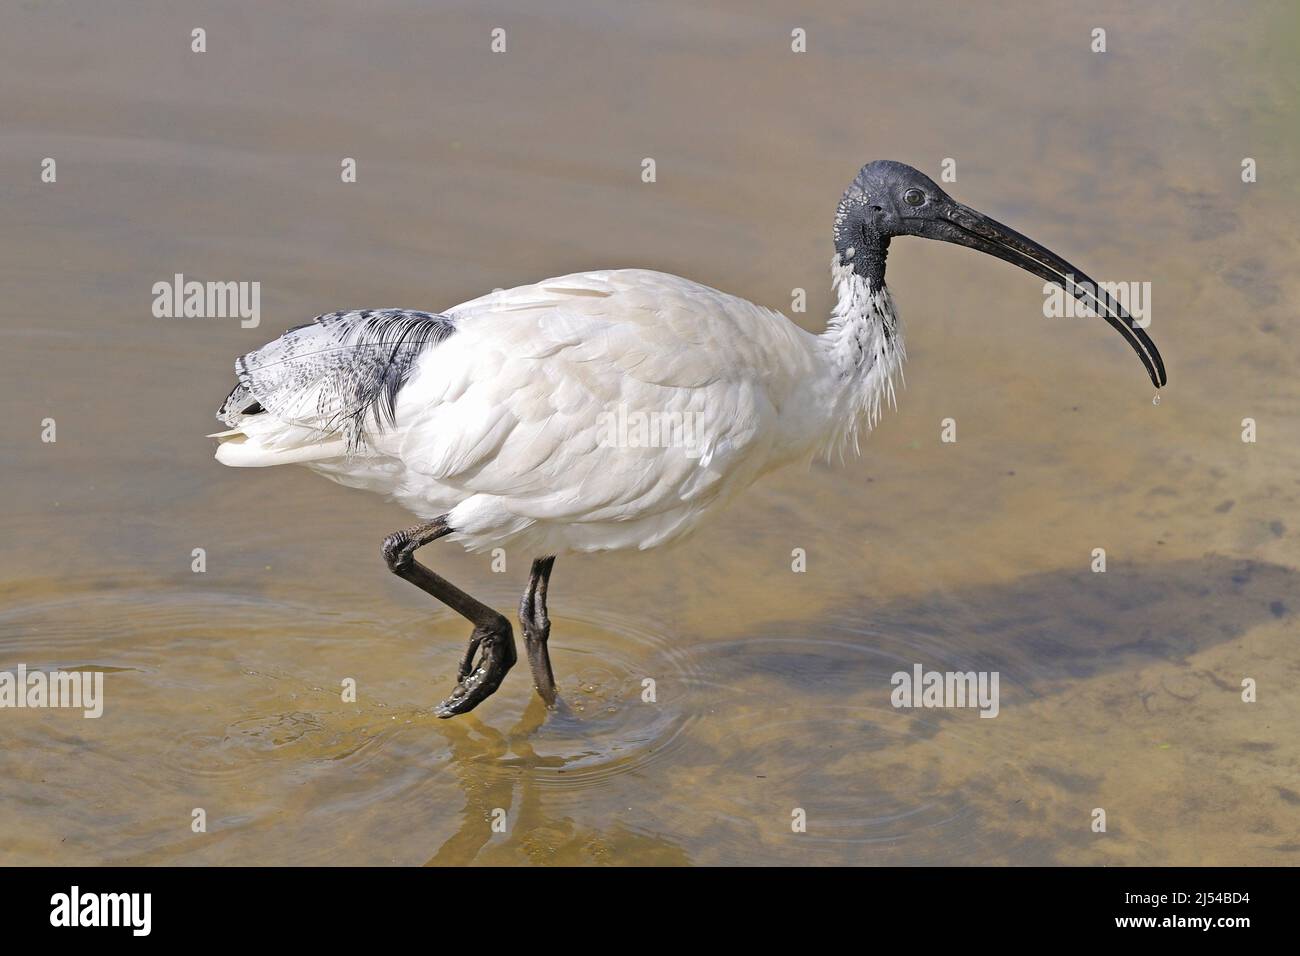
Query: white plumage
[[504, 423], [505, 420]]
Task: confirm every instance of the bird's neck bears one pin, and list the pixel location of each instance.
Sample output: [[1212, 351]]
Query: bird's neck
[[861, 350]]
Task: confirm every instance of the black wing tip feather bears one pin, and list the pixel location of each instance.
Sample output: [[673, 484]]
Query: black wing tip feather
[[418, 331], [367, 365], [239, 402]]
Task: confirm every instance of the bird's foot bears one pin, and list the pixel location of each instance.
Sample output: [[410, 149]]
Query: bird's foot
[[494, 643], [537, 630]]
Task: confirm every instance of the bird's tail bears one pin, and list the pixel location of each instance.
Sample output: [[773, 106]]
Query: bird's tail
[[261, 440], [319, 390]]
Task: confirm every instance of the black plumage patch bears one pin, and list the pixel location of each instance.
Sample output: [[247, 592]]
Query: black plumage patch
[[341, 371]]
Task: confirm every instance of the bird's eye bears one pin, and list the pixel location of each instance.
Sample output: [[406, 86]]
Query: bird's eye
[[914, 197]]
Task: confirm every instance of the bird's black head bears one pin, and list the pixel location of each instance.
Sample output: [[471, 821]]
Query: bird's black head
[[880, 200], [888, 199]]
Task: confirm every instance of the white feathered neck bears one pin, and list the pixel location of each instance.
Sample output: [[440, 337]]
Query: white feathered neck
[[861, 348]]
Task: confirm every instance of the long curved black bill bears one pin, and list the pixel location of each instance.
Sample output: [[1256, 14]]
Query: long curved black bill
[[966, 227]]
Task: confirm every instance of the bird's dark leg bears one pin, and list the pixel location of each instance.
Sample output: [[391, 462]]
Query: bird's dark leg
[[493, 639], [537, 628]]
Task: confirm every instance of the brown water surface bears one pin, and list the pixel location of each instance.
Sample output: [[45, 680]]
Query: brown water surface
[[1118, 691]]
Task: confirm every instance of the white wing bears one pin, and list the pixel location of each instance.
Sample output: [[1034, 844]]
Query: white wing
[[615, 404], [592, 411]]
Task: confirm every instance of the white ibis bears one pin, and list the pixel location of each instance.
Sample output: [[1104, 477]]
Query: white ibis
[[491, 421]]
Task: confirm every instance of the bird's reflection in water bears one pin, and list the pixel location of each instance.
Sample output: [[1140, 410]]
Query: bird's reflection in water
[[530, 834]]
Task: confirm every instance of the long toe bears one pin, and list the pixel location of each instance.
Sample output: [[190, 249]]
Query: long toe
[[539, 662], [497, 648]]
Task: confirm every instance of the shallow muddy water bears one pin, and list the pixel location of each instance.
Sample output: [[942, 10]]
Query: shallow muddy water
[[1119, 691]]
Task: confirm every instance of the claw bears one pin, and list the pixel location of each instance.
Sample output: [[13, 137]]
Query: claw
[[478, 683]]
